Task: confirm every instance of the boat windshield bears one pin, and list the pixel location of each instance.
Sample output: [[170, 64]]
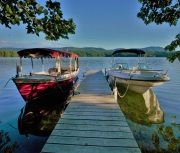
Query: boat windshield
[[144, 66], [119, 66]]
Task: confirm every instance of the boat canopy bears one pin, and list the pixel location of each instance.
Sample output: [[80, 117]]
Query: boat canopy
[[136, 51], [45, 52]]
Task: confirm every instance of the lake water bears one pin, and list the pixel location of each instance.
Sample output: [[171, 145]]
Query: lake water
[[160, 134]]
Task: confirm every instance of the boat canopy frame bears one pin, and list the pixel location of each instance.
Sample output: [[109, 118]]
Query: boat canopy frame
[[136, 51], [139, 52], [44, 52]]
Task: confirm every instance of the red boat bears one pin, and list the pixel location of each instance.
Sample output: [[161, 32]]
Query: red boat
[[55, 82]]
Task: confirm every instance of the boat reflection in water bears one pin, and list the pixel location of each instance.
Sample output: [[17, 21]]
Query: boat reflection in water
[[154, 112], [39, 118], [143, 109], [146, 121]]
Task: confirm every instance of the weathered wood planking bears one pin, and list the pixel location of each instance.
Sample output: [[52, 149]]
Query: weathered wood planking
[[92, 122]]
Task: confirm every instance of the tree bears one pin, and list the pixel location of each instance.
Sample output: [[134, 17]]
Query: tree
[[160, 11], [47, 19]]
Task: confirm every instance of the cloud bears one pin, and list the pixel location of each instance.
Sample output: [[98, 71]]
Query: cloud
[[2, 41], [39, 44]]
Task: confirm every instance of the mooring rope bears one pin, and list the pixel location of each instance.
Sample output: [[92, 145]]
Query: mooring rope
[[83, 71], [60, 87], [5, 85], [124, 93], [74, 93], [8, 124]]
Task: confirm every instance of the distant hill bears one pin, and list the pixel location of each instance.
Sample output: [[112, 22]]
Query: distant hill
[[89, 49], [118, 49], [153, 48]]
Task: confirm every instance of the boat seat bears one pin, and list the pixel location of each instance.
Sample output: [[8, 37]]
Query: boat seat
[[134, 69], [65, 72], [67, 68], [120, 66], [53, 71], [144, 66], [123, 66]]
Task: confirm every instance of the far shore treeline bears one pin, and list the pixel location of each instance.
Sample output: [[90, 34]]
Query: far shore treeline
[[8, 53], [11, 53]]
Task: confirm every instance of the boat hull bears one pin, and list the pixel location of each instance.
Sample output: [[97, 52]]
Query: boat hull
[[139, 84], [52, 90]]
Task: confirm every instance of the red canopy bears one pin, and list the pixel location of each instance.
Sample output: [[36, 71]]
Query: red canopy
[[45, 52]]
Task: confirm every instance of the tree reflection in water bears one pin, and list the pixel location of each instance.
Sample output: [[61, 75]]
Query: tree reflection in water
[[143, 113], [4, 140]]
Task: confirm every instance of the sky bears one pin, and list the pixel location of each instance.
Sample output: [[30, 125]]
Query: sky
[[107, 24]]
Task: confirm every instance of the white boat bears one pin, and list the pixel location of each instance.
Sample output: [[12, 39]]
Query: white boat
[[138, 78]]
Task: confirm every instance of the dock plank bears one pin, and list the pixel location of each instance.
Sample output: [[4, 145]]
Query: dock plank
[[92, 122], [95, 117], [108, 142], [87, 149], [92, 134], [110, 114], [76, 109], [93, 127]]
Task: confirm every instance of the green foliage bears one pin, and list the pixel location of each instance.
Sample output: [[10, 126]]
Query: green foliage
[[4, 140], [158, 54], [168, 135], [174, 44], [47, 19], [174, 56], [92, 53], [8, 53], [108, 54], [160, 11]]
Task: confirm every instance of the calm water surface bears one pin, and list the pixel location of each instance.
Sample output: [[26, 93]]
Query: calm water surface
[[152, 135]]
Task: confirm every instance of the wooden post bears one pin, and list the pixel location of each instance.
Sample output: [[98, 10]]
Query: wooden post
[[21, 64], [58, 63], [32, 65], [75, 64], [17, 68], [87, 67], [42, 64], [70, 65], [115, 89]]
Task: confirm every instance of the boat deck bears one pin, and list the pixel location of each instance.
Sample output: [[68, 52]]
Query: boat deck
[[92, 122]]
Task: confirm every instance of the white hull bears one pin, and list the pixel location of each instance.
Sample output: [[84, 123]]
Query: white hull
[[137, 86], [136, 82]]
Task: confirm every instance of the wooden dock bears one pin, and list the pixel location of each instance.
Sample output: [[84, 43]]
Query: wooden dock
[[92, 122]]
